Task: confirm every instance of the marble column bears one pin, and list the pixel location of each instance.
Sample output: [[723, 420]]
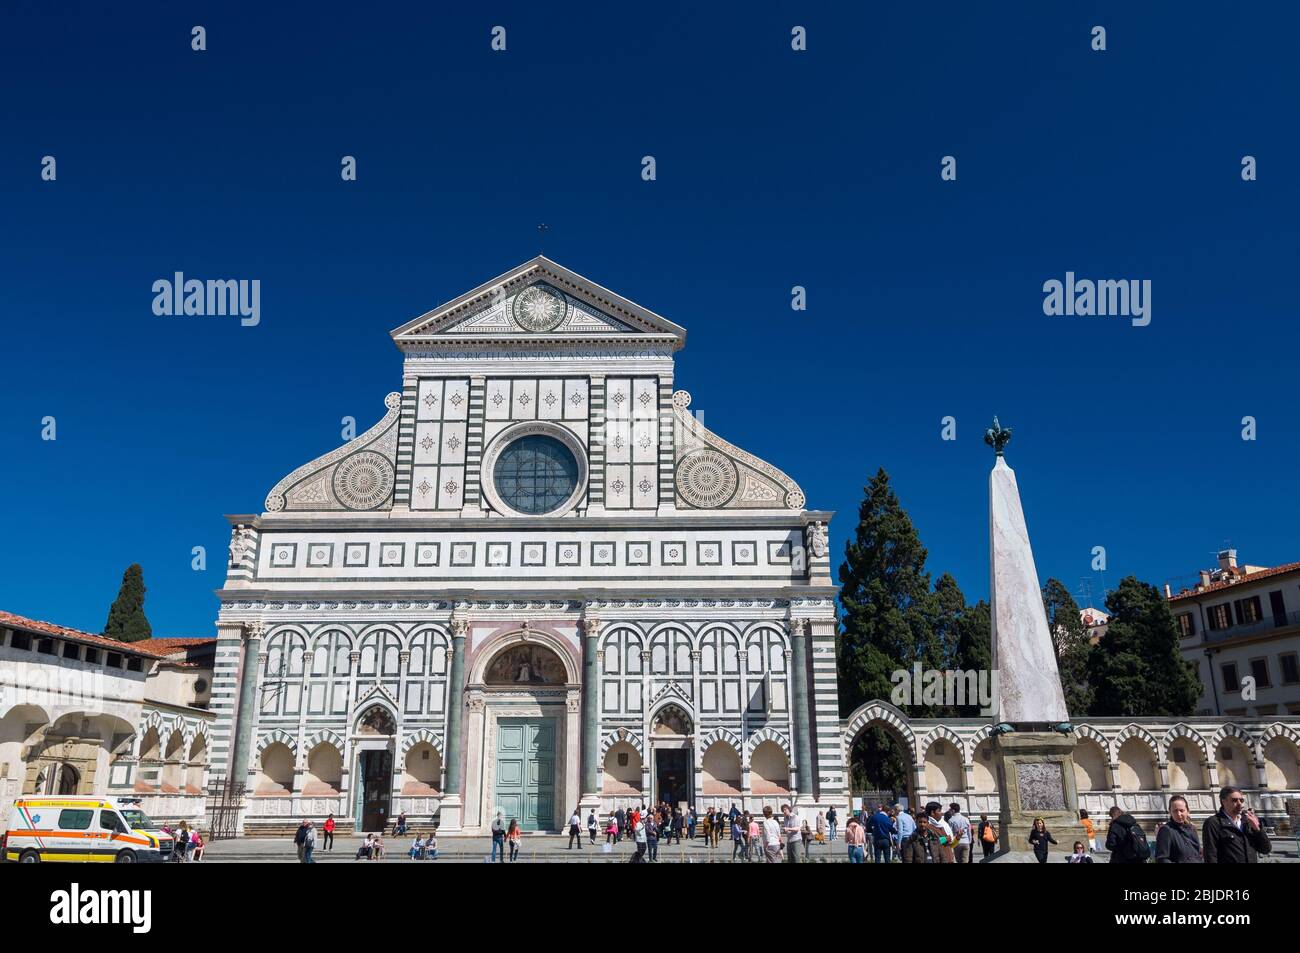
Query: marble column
[[589, 794], [247, 703], [798, 629], [452, 805]]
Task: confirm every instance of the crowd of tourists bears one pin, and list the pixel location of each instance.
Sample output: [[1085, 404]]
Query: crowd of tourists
[[881, 834]]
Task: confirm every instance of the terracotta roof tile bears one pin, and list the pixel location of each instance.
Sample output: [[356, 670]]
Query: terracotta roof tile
[[1236, 581], [174, 645], [12, 621]]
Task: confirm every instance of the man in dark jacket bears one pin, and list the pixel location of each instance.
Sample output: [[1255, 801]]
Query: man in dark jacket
[[1234, 835], [1176, 843], [1125, 839]]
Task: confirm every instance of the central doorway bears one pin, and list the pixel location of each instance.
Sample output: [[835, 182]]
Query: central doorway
[[672, 775], [525, 772], [376, 788]]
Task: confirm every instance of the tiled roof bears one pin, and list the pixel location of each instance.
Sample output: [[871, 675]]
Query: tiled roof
[[1236, 581], [9, 620], [168, 646]]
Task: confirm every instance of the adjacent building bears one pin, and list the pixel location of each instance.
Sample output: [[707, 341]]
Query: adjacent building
[[85, 714], [1240, 626]]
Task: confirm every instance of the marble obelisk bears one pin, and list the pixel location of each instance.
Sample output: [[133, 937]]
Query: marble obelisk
[[1029, 684], [1032, 742]]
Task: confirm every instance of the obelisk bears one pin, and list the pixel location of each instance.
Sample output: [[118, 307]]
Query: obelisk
[[1033, 742]]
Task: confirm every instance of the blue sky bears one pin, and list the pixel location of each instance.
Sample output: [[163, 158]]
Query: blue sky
[[775, 169]]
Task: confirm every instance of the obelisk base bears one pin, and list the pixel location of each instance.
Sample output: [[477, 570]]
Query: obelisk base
[[1035, 772]]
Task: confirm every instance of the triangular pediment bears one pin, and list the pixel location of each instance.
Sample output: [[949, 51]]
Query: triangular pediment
[[539, 303]]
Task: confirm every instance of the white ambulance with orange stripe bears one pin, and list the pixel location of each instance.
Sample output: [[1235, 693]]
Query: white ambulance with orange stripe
[[106, 830]]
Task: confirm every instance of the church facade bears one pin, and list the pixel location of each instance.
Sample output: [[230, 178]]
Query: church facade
[[538, 583]]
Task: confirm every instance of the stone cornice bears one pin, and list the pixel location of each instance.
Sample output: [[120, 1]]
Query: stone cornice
[[678, 520]]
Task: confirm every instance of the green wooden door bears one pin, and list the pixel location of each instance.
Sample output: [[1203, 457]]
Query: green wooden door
[[525, 787]]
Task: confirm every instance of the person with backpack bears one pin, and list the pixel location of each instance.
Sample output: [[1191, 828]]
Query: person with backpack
[[1176, 842], [1234, 834], [1125, 839], [988, 835], [592, 825]]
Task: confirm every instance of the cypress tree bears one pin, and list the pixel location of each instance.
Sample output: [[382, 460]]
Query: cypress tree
[[126, 618], [885, 593], [1070, 641]]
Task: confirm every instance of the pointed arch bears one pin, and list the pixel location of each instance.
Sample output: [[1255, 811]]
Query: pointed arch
[[277, 735], [611, 738], [944, 733], [325, 736], [422, 735], [725, 735], [1094, 734], [879, 712], [1133, 730], [1182, 730], [766, 734]]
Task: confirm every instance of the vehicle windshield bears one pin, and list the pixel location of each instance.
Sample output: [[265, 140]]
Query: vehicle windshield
[[138, 819]]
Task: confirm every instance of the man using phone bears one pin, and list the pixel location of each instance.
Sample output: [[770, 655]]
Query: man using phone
[[1234, 835]]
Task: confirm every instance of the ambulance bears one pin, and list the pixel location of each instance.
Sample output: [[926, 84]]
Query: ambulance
[[106, 830]]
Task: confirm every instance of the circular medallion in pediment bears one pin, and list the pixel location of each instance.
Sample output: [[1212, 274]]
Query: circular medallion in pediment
[[707, 479], [539, 308], [364, 480]]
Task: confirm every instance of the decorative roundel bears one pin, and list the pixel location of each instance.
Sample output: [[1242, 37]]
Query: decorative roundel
[[794, 500], [393, 400], [681, 399], [363, 480], [706, 479], [274, 503], [540, 308]]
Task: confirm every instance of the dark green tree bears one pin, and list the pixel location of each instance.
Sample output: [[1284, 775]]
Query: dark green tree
[[974, 652], [126, 618], [888, 606], [1070, 640], [1136, 669]]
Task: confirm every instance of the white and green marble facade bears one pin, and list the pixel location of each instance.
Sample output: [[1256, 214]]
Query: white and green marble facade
[[683, 575]]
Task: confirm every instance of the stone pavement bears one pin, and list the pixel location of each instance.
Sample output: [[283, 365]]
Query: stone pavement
[[553, 848], [534, 848]]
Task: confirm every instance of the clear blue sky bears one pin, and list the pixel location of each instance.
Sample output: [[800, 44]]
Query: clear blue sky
[[775, 168]]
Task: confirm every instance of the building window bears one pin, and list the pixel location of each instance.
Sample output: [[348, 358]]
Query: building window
[[1219, 617], [92, 655], [134, 665], [1178, 755], [622, 759], [71, 650], [1248, 610], [1186, 625], [1230, 681], [1259, 669], [1225, 754], [114, 660], [21, 640], [1290, 668], [536, 474], [45, 646]]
